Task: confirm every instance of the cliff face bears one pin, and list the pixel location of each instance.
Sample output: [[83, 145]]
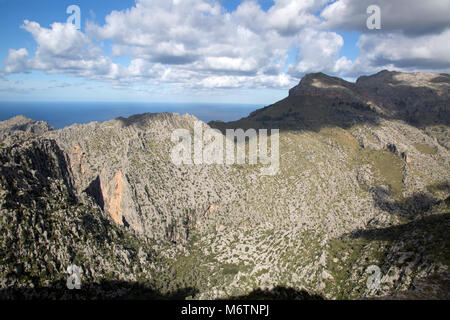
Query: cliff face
[[45, 228], [34, 167], [360, 184], [125, 165], [418, 98]]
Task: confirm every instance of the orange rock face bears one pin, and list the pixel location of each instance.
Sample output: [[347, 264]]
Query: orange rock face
[[113, 196], [76, 157]]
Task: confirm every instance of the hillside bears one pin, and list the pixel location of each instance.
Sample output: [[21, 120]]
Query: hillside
[[363, 180]]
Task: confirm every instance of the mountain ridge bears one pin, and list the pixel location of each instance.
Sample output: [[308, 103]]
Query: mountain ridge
[[360, 184]]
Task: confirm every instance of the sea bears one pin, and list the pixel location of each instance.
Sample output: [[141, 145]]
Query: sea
[[62, 114]]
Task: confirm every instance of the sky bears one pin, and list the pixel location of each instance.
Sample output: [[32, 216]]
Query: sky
[[222, 51]]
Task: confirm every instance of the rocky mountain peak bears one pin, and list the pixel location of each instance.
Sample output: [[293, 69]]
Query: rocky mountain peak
[[322, 80], [169, 120], [385, 78], [414, 97], [19, 127], [320, 84], [22, 123]]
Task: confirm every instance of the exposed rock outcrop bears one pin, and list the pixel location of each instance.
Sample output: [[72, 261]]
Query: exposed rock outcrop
[[419, 98]]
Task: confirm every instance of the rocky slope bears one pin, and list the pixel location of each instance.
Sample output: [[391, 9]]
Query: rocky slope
[[45, 228], [363, 180]]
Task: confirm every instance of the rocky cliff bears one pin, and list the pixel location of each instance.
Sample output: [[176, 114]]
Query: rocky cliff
[[418, 98], [364, 180]]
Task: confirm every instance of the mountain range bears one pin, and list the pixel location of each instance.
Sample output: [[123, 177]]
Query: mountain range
[[364, 181]]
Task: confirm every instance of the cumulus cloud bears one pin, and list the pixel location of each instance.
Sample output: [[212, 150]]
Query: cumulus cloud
[[64, 49], [397, 51], [198, 44], [61, 49], [318, 51], [414, 35], [287, 17], [412, 17], [265, 81], [195, 32], [200, 39], [17, 61]]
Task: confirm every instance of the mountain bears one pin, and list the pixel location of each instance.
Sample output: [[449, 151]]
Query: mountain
[[19, 125], [420, 99], [363, 181]]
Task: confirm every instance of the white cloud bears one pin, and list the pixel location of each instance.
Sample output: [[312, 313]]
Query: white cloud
[[286, 17], [64, 49], [61, 49], [196, 44], [62, 40], [199, 39], [413, 17], [318, 51], [400, 52], [192, 32], [265, 81], [17, 61], [414, 35]]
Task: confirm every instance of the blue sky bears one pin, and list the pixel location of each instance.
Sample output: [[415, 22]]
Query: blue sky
[[206, 50]]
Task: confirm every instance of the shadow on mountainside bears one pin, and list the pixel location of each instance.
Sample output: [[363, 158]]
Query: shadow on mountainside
[[29, 171], [414, 249], [433, 287], [278, 293], [412, 206], [305, 113], [414, 252], [436, 225], [106, 290], [417, 208], [417, 105], [122, 290]]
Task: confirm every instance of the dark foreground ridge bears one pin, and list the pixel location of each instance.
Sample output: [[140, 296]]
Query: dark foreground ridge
[[117, 290]]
